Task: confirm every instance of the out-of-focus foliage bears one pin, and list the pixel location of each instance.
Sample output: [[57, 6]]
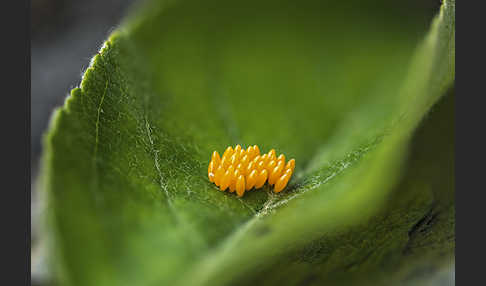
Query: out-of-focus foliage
[[340, 87]]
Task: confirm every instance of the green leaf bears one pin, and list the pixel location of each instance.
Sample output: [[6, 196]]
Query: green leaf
[[339, 87], [409, 242]]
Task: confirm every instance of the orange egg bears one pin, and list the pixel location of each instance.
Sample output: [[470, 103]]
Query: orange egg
[[240, 170]]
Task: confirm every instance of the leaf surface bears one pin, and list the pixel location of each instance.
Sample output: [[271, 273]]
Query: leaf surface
[[126, 156]]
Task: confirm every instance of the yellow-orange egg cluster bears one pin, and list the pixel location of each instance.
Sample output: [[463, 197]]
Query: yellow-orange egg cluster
[[241, 170]]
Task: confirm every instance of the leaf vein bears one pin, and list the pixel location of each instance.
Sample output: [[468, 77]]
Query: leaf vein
[[97, 125]]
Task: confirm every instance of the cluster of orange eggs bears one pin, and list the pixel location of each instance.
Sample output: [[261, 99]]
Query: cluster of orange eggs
[[241, 170]]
